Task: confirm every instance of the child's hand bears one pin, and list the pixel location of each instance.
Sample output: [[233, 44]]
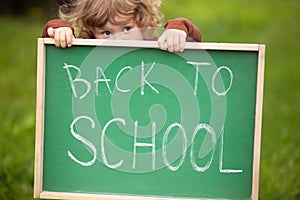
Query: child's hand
[[172, 40], [62, 36]]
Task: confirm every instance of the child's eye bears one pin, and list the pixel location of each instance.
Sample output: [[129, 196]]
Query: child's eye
[[127, 28], [106, 33]]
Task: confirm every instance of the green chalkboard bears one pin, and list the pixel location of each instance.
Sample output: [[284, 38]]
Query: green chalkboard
[[125, 120]]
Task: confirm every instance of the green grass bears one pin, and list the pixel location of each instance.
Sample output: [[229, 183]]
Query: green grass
[[272, 22], [17, 105]]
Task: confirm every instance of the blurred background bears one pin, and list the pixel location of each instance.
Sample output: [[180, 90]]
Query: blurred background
[[271, 22]]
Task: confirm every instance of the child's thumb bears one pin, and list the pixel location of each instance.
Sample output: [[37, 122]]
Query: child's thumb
[[50, 32]]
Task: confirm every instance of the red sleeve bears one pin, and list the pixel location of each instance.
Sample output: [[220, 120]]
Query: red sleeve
[[56, 23], [185, 25]]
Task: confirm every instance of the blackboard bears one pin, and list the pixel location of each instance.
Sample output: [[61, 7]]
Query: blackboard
[[126, 120]]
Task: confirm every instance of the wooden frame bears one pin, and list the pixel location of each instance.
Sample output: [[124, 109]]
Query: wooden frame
[[40, 104]]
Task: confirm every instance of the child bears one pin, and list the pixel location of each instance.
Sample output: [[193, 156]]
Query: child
[[118, 19]]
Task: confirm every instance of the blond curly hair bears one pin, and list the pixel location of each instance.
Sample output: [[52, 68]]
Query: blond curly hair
[[86, 14]]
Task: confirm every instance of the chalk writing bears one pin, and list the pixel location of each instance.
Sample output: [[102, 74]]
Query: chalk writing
[[144, 74], [77, 79], [83, 140], [184, 146], [214, 78], [104, 79], [144, 81], [197, 129]]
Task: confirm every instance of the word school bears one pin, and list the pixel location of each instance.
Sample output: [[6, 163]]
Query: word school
[[198, 128]]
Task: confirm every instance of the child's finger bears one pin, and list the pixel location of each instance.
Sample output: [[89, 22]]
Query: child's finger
[[162, 42], [182, 41], [170, 43], [57, 37], [176, 43], [63, 38], [69, 37], [66, 37], [179, 41], [50, 32]]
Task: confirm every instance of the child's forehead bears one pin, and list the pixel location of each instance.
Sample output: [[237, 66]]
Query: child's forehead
[[121, 19]]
